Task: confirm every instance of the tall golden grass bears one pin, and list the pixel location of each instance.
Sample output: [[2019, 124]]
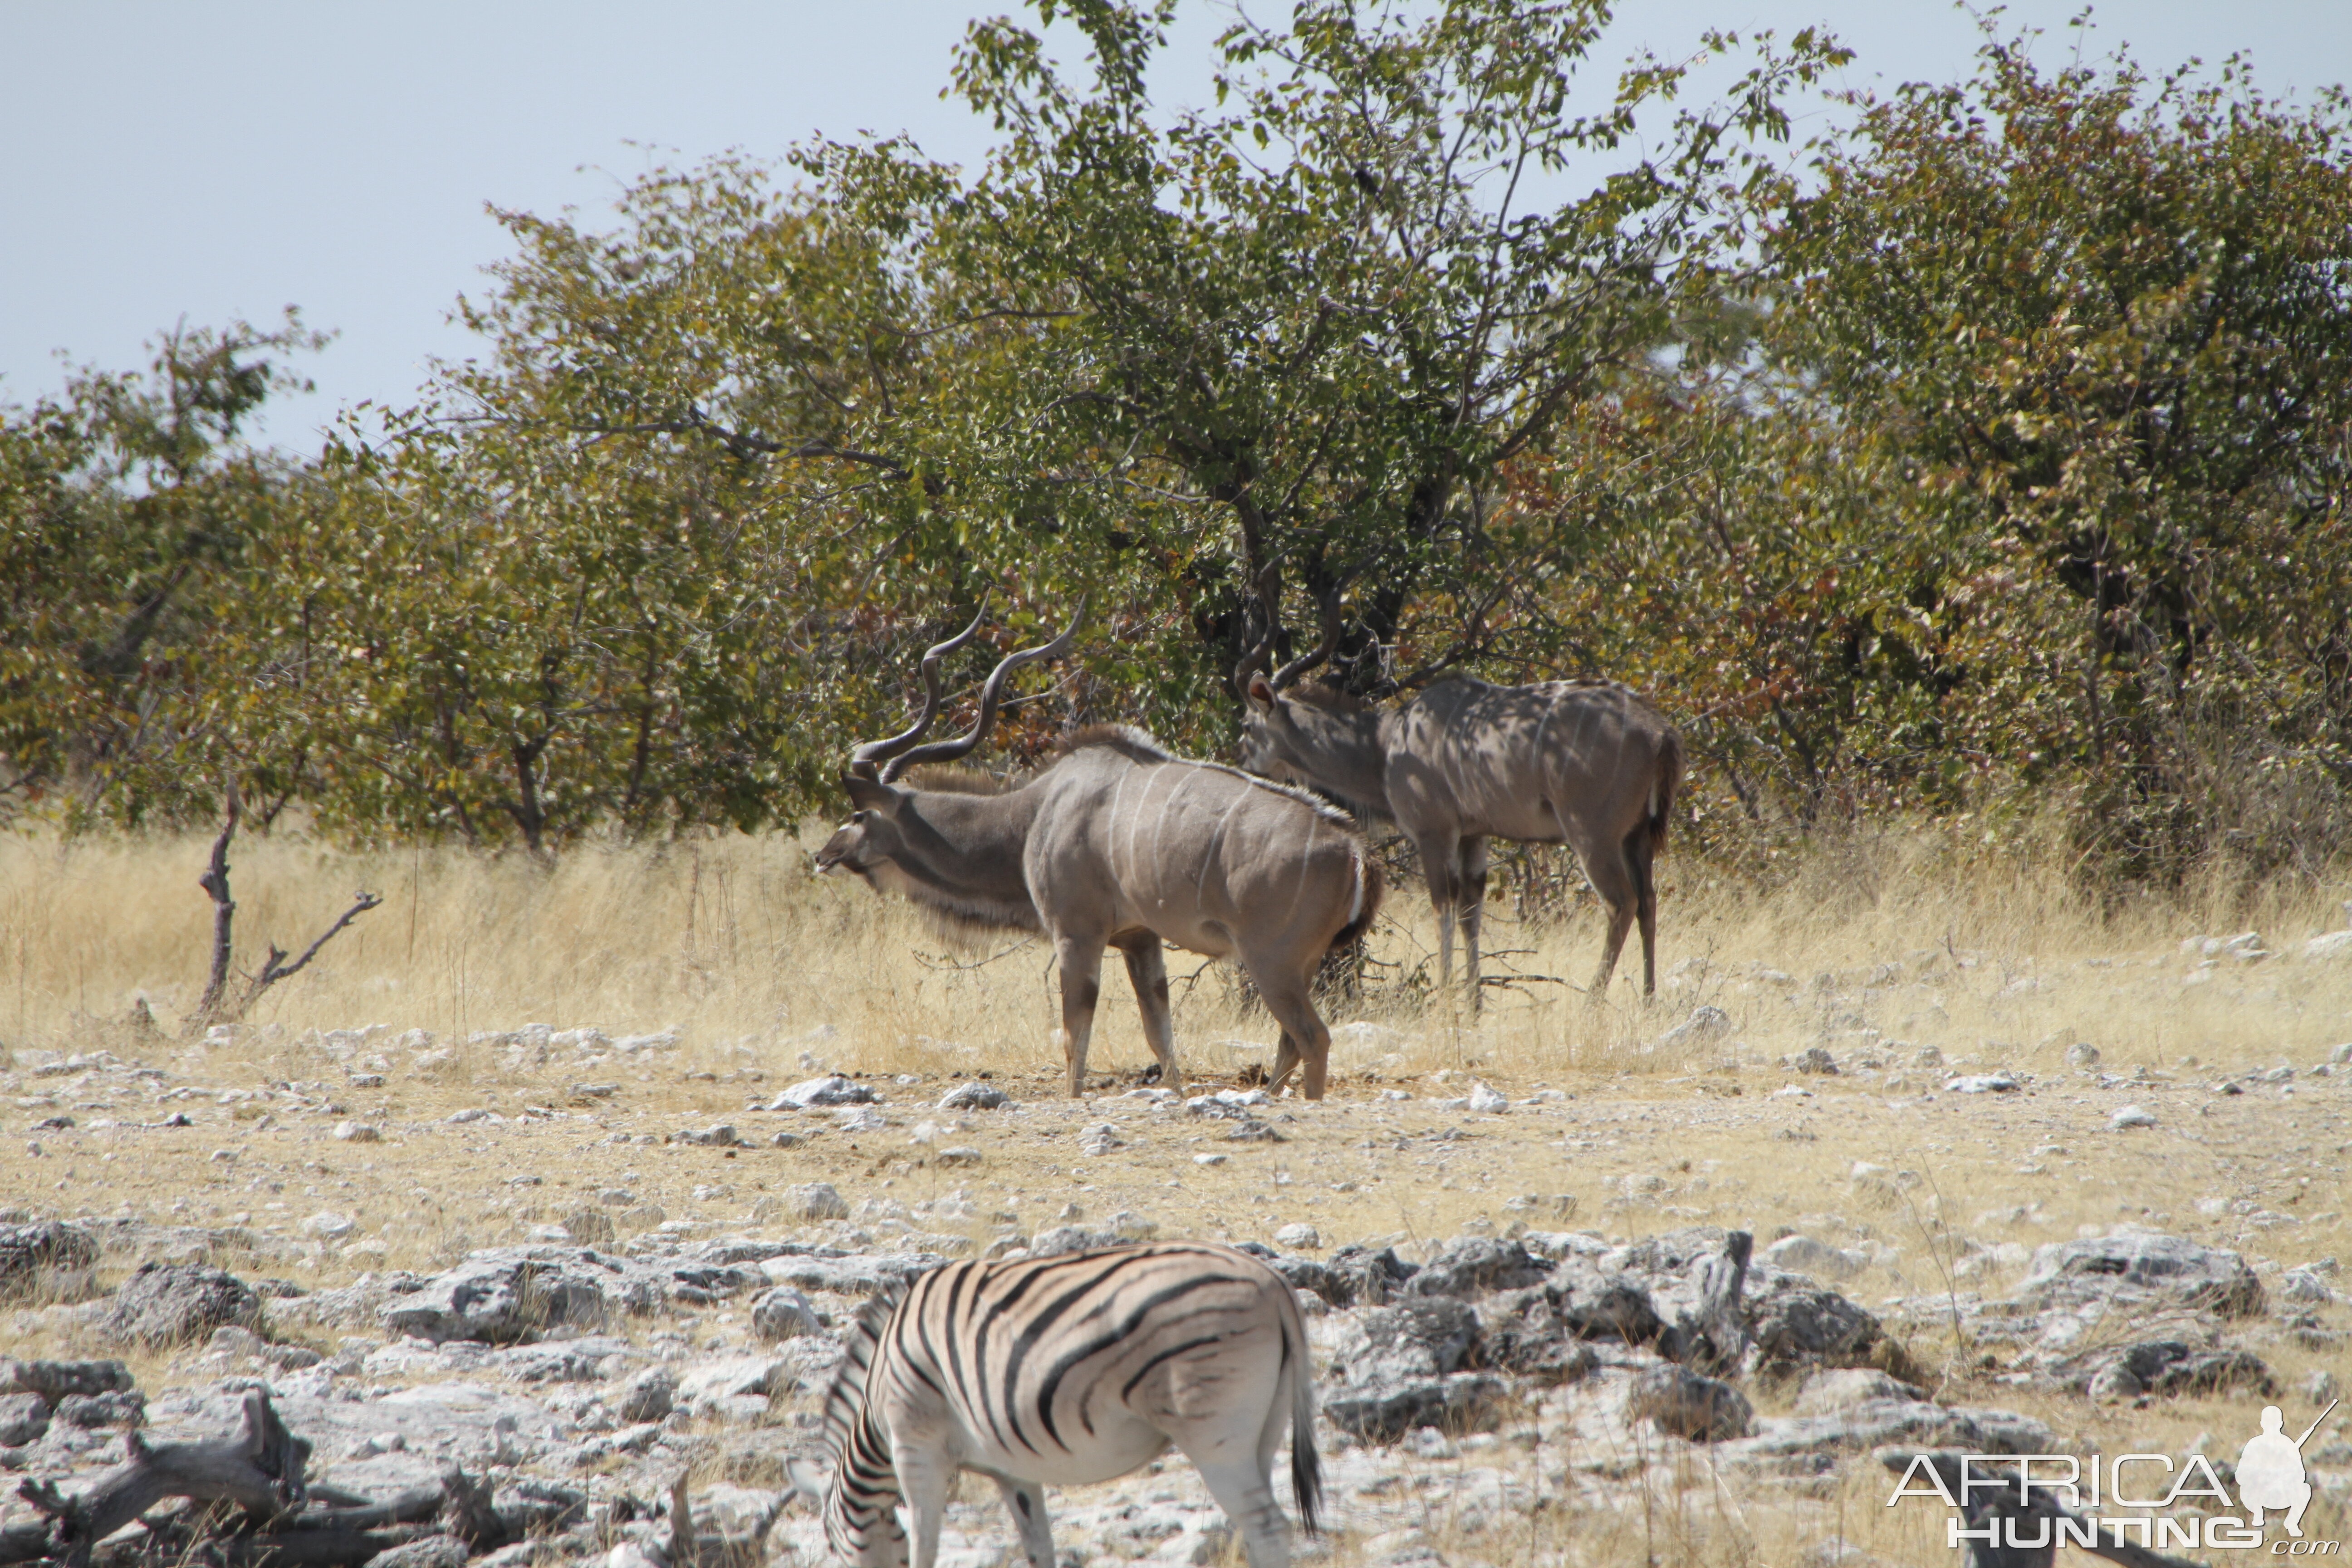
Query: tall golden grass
[[732, 941]]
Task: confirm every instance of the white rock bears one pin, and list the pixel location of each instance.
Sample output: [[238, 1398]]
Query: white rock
[[1804, 1255], [630, 1045], [328, 1226], [859, 1119], [1703, 1025], [1983, 1083], [733, 1376], [816, 1200], [2303, 1285], [1210, 1159], [957, 1155], [472, 1113], [2128, 1116], [1298, 1237], [358, 1132], [1099, 1139], [1488, 1102], [784, 1313], [829, 1090], [2335, 944]]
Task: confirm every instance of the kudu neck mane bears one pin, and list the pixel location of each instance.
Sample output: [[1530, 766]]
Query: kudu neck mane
[[956, 778], [1346, 749]]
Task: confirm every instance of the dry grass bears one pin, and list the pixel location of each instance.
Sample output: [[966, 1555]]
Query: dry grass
[[731, 941], [757, 965]]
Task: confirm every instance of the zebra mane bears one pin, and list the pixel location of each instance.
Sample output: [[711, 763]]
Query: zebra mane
[[845, 1396]]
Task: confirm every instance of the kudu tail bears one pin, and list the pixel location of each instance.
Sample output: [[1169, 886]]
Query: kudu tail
[[1664, 788], [1369, 885]]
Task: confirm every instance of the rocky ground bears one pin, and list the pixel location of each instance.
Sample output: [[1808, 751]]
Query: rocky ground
[[1673, 1314]]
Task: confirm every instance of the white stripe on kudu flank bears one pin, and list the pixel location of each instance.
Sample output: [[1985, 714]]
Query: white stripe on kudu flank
[[1068, 1371]]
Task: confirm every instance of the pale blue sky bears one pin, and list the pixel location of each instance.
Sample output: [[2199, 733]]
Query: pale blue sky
[[223, 157]]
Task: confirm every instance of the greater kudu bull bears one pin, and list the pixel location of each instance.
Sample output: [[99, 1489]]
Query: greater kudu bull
[[1116, 842], [1588, 763]]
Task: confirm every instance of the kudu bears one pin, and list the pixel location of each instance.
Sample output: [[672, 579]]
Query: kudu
[[1588, 763], [1116, 842]]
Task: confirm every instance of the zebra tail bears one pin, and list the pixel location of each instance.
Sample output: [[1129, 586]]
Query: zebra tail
[[1306, 1463]]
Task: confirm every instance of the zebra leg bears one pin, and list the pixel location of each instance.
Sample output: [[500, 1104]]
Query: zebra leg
[[925, 1478], [1473, 887], [1026, 1500], [1081, 962], [1146, 971], [1245, 1490]]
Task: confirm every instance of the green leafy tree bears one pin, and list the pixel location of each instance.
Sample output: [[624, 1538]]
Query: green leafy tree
[[1276, 352], [612, 571], [129, 506], [2105, 319]]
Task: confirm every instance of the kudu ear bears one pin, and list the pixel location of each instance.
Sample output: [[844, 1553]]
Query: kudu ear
[[1260, 693], [871, 794]]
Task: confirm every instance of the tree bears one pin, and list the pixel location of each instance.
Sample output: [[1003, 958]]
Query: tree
[[2106, 322], [1278, 351], [128, 506], [579, 583]]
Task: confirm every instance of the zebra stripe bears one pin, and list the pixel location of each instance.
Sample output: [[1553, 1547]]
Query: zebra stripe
[[1065, 1370]]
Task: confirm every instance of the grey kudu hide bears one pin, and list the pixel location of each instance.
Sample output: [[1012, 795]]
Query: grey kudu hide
[[1586, 763], [1117, 844]]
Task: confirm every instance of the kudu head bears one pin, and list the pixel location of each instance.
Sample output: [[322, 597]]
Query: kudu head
[[873, 835], [1272, 743], [1266, 723]]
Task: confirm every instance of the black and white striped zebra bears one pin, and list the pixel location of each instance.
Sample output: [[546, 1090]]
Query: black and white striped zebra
[[1065, 1370]]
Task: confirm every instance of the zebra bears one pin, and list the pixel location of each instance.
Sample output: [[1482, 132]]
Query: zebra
[[1067, 1370]]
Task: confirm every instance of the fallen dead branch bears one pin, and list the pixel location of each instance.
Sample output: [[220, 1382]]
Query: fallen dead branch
[[259, 1507]]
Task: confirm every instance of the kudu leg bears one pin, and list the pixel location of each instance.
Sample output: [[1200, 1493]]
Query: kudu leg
[[1605, 868], [1640, 850], [1081, 963], [1473, 894], [1147, 970], [1305, 1040], [1441, 858]]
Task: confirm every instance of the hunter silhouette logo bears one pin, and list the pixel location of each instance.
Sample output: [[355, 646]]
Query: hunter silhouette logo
[[2270, 1471], [2008, 1503]]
